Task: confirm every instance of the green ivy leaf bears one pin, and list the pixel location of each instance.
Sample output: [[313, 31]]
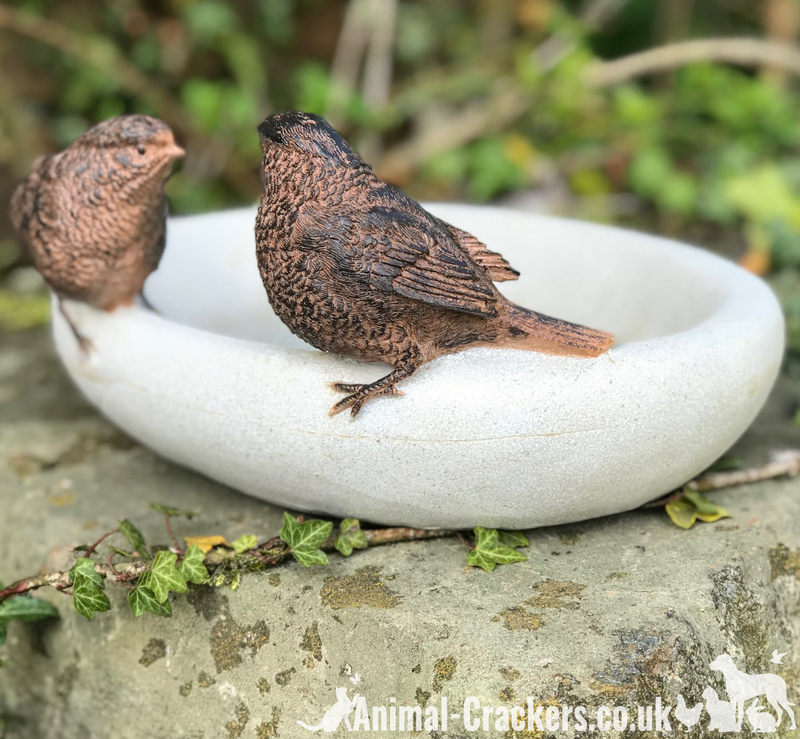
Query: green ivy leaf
[[25, 608], [489, 551], [350, 537], [192, 567], [513, 539], [83, 569], [121, 552], [304, 539], [88, 598], [170, 511], [310, 557], [693, 507], [245, 542], [134, 537], [142, 599], [164, 577]]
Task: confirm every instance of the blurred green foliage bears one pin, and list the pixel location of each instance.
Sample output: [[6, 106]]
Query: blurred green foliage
[[485, 99]]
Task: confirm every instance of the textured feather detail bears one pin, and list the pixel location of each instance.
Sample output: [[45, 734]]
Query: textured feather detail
[[496, 266]]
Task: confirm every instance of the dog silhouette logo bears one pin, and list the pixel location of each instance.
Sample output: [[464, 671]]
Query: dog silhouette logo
[[741, 687], [338, 712]]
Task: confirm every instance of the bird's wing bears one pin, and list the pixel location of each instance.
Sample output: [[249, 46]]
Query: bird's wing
[[496, 266], [412, 257], [396, 251]]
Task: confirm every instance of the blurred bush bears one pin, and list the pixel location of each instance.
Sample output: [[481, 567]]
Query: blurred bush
[[451, 99]]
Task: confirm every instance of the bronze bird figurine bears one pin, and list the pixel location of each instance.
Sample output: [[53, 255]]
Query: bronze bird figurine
[[354, 266], [93, 217]]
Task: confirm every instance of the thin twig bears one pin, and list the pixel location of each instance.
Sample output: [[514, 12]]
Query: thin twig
[[593, 16], [505, 104], [747, 52], [172, 535], [350, 47], [94, 546], [380, 52], [784, 463]]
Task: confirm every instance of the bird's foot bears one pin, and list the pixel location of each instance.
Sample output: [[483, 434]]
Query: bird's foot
[[358, 396]]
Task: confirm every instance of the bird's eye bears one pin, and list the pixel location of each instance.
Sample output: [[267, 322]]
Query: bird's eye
[[140, 149]]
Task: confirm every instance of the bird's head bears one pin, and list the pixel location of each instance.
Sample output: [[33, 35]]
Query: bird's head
[[137, 146], [306, 134]]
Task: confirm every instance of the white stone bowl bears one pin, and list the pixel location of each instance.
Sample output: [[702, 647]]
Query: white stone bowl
[[490, 437]]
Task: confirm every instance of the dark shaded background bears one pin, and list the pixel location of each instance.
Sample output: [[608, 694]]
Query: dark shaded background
[[548, 105]]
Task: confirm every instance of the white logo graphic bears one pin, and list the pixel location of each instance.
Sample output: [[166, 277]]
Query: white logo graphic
[[687, 716], [741, 687], [777, 658], [338, 712], [723, 715]]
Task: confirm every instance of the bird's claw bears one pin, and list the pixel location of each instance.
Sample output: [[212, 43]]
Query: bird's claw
[[359, 395]]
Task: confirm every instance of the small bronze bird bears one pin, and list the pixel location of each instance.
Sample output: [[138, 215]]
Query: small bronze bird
[[352, 265], [93, 217]]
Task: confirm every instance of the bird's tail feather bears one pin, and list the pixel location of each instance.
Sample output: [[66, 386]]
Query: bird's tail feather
[[536, 332]]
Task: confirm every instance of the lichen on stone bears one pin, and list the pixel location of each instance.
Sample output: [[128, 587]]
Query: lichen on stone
[[154, 650], [311, 642], [204, 680], [229, 638], [285, 677], [517, 618], [269, 729], [236, 727], [556, 594], [784, 562], [443, 671], [363, 589]]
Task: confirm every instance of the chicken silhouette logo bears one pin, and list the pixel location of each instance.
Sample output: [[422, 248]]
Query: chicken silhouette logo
[[338, 712], [687, 716]]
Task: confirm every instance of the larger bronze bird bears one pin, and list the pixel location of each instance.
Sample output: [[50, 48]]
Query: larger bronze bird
[[93, 217], [352, 265]]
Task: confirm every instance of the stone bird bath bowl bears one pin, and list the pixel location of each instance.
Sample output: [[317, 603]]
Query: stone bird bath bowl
[[498, 438]]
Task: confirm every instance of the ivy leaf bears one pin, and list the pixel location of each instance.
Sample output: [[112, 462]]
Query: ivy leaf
[[164, 576], [310, 557], [245, 542], [304, 539], [142, 599], [192, 567], [88, 598], [134, 537], [489, 551], [691, 507], [83, 569], [513, 539], [207, 543], [121, 552], [350, 537], [170, 511], [25, 608]]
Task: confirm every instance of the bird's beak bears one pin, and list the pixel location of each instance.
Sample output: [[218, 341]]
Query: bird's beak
[[175, 152]]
